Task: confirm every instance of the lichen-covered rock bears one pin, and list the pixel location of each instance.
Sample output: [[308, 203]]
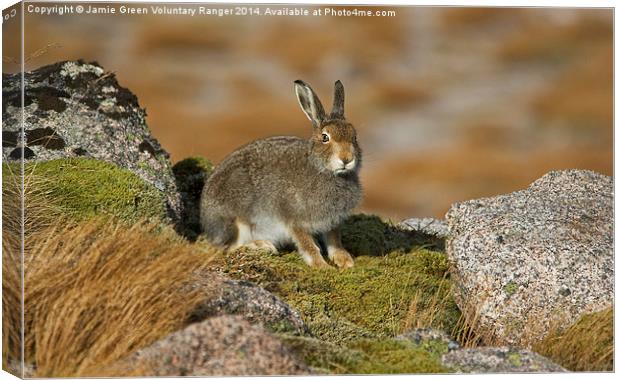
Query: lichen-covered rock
[[498, 360], [536, 258], [224, 296], [429, 226], [431, 338], [221, 346], [76, 109]]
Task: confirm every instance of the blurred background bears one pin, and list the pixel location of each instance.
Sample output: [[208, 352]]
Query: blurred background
[[450, 103]]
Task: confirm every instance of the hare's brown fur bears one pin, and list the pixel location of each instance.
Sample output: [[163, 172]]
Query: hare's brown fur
[[288, 189]]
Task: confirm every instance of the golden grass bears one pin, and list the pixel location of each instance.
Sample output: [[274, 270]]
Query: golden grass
[[11, 289], [94, 292], [37, 216], [420, 315], [97, 291], [587, 345]]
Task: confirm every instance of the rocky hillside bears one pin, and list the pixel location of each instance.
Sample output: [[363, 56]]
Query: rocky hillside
[[118, 280]]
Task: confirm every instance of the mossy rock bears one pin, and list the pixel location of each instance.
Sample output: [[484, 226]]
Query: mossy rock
[[190, 175], [84, 188]]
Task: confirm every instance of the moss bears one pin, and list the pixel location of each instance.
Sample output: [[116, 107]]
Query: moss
[[369, 235], [515, 359], [587, 345], [365, 356], [190, 175], [372, 299], [437, 347], [364, 235], [283, 326], [83, 188], [354, 315], [324, 357], [395, 357], [510, 288]]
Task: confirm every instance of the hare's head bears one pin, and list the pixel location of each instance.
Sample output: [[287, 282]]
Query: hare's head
[[334, 140]]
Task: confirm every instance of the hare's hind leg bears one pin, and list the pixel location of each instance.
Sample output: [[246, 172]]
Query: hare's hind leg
[[336, 251], [310, 252]]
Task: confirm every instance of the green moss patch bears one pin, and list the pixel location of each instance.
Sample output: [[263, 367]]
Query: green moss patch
[[366, 356], [374, 298], [84, 188], [395, 357], [354, 315]]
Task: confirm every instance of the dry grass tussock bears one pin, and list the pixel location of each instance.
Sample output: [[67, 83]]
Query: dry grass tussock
[[94, 291], [11, 272], [97, 291], [38, 215], [422, 314], [587, 345], [427, 314]]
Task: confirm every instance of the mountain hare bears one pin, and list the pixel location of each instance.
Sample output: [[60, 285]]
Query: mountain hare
[[286, 189]]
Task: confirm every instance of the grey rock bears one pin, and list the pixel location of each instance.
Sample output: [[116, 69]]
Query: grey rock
[[224, 296], [498, 360], [429, 226], [534, 259], [428, 335], [221, 346], [76, 109]]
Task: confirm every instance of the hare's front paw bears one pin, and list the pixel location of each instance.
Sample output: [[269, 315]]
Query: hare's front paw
[[262, 245], [318, 262], [342, 258]]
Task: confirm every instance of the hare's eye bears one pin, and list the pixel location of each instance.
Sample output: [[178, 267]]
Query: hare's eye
[[325, 137]]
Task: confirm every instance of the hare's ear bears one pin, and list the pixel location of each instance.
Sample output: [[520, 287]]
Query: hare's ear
[[338, 108], [310, 103]]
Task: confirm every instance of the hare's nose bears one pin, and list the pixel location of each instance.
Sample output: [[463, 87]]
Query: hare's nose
[[345, 161]]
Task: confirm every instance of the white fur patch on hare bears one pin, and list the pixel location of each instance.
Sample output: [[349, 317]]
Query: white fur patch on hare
[[269, 228]]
